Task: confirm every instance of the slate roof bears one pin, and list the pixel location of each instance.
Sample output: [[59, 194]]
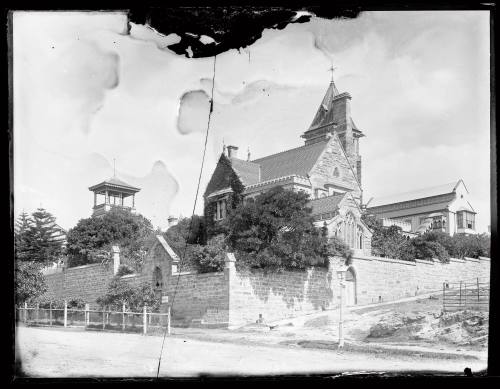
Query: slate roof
[[113, 181], [298, 161], [247, 171], [325, 204], [414, 195], [325, 113]]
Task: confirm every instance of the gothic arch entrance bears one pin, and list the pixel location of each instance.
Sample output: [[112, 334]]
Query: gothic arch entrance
[[157, 282], [350, 287]]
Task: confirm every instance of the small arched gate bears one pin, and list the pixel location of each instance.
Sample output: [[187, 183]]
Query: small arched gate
[[350, 287], [157, 282]]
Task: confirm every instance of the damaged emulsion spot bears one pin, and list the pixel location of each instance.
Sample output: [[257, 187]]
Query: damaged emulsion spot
[[226, 28], [194, 108]]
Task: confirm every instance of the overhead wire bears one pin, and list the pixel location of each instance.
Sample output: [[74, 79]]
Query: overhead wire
[[192, 214]]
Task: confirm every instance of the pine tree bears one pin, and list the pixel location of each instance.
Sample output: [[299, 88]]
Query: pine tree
[[21, 228], [43, 243]]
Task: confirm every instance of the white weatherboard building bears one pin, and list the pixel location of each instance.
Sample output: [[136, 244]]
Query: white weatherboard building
[[439, 208]]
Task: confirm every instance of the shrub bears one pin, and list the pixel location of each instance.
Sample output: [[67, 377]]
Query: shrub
[[211, 257], [123, 270], [428, 250], [134, 297]]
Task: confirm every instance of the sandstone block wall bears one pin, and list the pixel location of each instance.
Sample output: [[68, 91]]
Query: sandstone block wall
[[385, 279], [199, 298], [279, 295]]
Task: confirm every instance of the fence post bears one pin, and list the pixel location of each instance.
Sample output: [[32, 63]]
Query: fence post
[[65, 313], [168, 320], [144, 320], [460, 296], [103, 319], [465, 295], [37, 314], [87, 315], [25, 316], [444, 287], [50, 313], [123, 317], [477, 291]]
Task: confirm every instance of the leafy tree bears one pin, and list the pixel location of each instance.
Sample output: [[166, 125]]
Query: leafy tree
[[91, 239], [120, 292], [185, 232], [29, 281], [386, 241], [276, 231], [474, 246], [211, 257]]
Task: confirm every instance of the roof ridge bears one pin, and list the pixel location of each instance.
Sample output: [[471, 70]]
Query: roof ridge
[[329, 196], [420, 189], [286, 151]]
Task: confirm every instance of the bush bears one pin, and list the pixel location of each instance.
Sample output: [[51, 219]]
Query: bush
[[277, 232], [134, 297], [211, 257], [428, 250], [123, 270]]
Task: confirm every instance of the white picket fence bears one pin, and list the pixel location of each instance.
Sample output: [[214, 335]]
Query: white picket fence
[[124, 321]]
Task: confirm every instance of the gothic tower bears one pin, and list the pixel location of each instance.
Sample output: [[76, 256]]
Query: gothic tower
[[334, 114]]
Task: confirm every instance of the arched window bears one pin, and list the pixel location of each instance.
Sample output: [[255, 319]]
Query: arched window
[[157, 278], [359, 233]]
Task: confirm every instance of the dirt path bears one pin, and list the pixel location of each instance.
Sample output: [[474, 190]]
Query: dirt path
[[48, 352]]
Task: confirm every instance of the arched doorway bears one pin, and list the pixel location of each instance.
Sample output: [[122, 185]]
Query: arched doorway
[[157, 282], [350, 287]]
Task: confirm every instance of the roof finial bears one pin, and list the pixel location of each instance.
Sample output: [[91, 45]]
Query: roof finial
[[114, 168], [223, 147], [248, 153], [332, 69]]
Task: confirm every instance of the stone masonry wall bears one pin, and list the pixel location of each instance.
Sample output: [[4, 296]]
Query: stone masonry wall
[[385, 279], [274, 296], [200, 299]]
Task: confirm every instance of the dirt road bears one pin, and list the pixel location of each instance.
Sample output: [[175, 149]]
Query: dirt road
[[47, 352]]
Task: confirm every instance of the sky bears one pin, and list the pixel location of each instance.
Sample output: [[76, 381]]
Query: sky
[[85, 94]]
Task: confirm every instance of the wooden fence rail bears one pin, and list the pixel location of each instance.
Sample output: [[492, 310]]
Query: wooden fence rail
[[466, 295], [90, 319]]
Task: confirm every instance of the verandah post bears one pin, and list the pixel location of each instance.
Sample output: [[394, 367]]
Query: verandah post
[[87, 315], [168, 320], [65, 313], [123, 317]]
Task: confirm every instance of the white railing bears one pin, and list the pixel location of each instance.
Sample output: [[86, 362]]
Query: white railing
[[405, 226], [124, 321]]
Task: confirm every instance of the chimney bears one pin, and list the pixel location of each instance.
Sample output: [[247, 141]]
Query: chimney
[[232, 151], [172, 221], [116, 258]]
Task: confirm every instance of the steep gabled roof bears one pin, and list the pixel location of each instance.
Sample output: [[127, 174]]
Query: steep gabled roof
[[414, 195], [247, 171], [325, 204], [324, 114], [298, 161]]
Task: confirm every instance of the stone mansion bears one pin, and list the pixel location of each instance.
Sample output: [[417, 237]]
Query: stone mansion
[[327, 166]]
